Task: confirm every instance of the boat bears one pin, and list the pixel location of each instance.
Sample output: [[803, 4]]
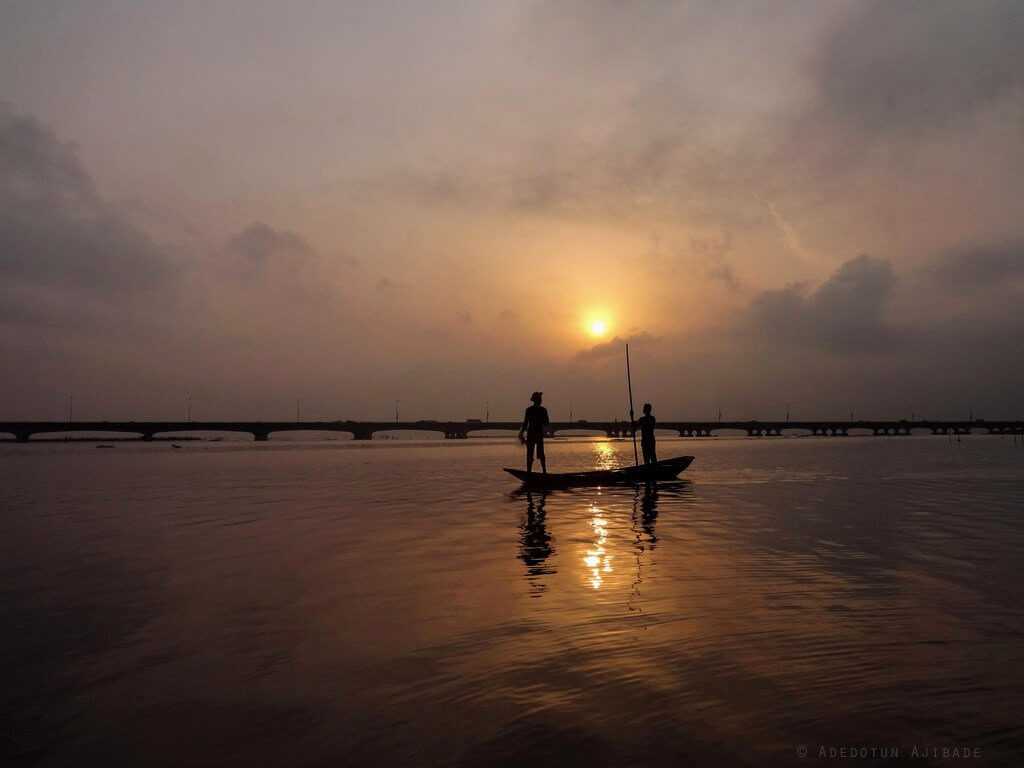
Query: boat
[[668, 469]]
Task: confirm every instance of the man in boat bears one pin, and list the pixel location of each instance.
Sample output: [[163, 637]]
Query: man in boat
[[646, 426], [535, 421]]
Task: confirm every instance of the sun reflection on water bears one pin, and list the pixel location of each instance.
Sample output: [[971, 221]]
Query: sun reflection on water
[[596, 558], [604, 455]]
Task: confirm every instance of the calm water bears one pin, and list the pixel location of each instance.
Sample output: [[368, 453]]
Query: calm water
[[402, 604]]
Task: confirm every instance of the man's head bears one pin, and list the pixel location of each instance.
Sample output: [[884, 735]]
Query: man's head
[[647, 409], [536, 397]]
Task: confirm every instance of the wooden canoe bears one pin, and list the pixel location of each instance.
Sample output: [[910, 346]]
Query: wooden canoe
[[667, 469]]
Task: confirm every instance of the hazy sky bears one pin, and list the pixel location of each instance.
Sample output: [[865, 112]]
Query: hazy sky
[[810, 203]]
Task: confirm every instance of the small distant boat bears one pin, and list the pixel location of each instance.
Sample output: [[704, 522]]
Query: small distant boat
[[104, 445], [175, 445], [668, 469]]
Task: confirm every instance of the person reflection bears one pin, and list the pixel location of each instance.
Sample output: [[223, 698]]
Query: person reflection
[[645, 514], [535, 542], [649, 512]]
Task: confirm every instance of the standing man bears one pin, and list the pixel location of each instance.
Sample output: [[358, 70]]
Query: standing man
[[534, 422], [646, 425]]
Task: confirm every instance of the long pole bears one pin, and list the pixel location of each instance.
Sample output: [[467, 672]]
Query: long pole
[[632, 423]]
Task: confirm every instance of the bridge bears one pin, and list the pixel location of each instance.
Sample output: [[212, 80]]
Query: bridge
[[22, 431]]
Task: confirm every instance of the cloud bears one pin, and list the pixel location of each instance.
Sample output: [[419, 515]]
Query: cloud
[[57, 233], [905, 68], [613, 347], [978, 268], [845, 314], [723, 273], [713, 251], [260, 245]]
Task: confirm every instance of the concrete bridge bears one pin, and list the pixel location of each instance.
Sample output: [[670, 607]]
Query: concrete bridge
[[22, 431]]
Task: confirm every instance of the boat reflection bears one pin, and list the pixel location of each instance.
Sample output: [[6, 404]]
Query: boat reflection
[[603, 519], [535, 542]]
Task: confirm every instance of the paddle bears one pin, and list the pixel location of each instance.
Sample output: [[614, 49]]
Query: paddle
[[632, 423]]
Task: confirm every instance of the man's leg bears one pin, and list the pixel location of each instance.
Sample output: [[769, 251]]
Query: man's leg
[[529, 455], [540, 455], [648, 452]]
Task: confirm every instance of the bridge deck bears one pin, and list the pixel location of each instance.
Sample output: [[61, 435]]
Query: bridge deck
[[364, 430]]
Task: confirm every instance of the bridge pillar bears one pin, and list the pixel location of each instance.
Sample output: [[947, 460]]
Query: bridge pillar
[[147, 436], [22, 437], [363, 434], [261, 437]]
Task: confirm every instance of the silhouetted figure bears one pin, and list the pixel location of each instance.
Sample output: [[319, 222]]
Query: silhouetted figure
[[646, 425], [535, 421]]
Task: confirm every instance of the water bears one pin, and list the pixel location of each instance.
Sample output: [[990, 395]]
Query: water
[[401, 604]]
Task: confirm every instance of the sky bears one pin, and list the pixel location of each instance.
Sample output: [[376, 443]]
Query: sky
[[815, 206]]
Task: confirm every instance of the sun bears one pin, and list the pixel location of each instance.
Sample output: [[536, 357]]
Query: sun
[[598, 328]]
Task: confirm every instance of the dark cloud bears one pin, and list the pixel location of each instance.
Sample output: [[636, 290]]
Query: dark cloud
[[261, 256], [911, 66], [56, 232], [259, 244], [845, 314], [723, 273], [970, 270], [713, 252], [613, 347]]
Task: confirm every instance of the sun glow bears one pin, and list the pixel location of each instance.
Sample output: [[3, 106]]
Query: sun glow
[[598, 328]]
